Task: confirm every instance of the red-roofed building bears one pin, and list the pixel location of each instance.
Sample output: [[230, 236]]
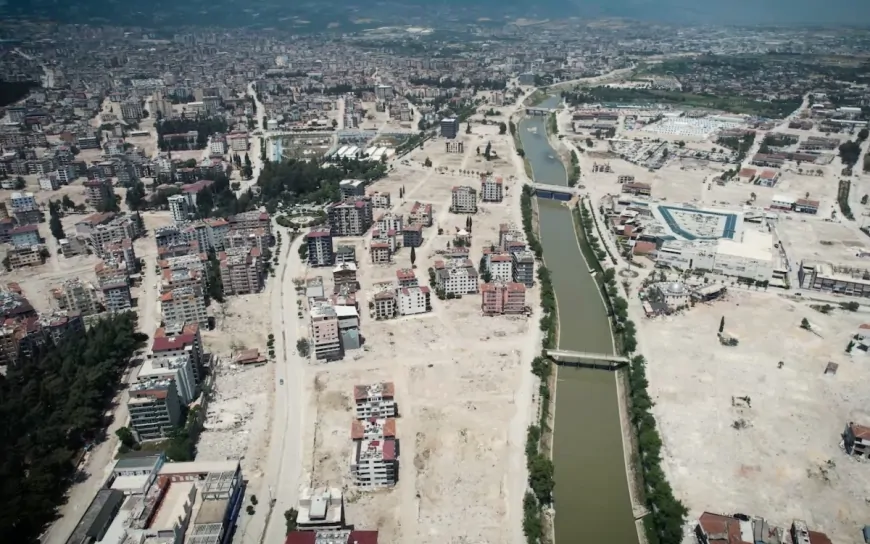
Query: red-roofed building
[[719, 529], [330, 537], [375, 462], [804, 205], [178, 340], [502, 298]]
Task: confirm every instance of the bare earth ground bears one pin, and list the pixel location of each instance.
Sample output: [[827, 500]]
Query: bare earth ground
[[778, 466], [458, 379]]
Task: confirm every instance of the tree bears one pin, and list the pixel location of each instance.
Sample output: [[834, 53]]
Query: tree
[[468, 128], [521, 153], [478, 150], [290, 519], [427, 163], [19, 183], [302, 347], [864, 199], [502, 128], [722, 324], [486, 152], [125, 435], [54, 223], [204, 203], [805, 324], [862, 134], [247, 160], [136, 196], [215, 286], [413, 256], [334, 123]]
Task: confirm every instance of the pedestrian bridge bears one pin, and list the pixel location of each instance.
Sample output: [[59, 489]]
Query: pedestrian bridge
[[584, 359], [554, 192]]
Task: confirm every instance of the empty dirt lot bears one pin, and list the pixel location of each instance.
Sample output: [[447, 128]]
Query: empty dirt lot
[[786, 461]]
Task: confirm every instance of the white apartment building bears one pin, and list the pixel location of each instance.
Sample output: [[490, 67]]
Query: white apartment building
[[384, 305], [457, 277], [22, 202], [389, 221], [217, 145], [154, 407], [491, 188], [184, 305], [178, 207], [49, 183], [75, 295], [501, 266], [414, 300], [374, 463], [178, 368], [375, 400], [380, 200], [463, 199]]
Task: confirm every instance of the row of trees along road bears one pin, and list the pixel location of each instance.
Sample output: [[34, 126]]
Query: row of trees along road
[[51, 409]]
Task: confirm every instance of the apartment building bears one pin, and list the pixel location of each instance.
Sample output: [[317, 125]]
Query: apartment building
[[375, 400], [180, 339], [241, 270], [344, 278], [375, 463], [380, 199], [384, 304], [502, 298], [380, 252], [325, 333], [178, 368], [413, 300], [121, 255], [115, 229], [251, 220], [238, 141], [388, 221], [450, 127], [74, 295], [491, 188], [412, 235], [116, 293], [155, 408], [524, 267], [131, 110], [180, 210], [405, 277], [320, 244], [345, 253], [217, 229], [24, 236], [463, 199], [456, 277], [24, 208], [500, 266], [351, 188], [217, 145], [421, 214], [350, 217], [19, 257], [99, 193], [184, 305]]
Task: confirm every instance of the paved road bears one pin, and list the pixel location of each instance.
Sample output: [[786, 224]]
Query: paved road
[[99, 461], [281, 477]]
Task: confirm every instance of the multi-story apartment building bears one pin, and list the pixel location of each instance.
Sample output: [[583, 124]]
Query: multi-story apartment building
[[450, 127], [491, 188], [421, 214], [238, 141], [175, 278], [178, 207], [217, 229], [325, 333], [405, 277], [412, 235], [456, 277], [524, 267], [178, 368], [500, 266], [350, 217], [251, 220], [463, 199], [118, 229], [502, 298], [320, 252], [344, 277], [116, 293], [217, 145], [375, 463], [384, 304], [177, 339], [155, 408], [413, 300], [345, 253], [351, 188], [241, 270], [99, 193], [121, 255], [131, 110], [248, 238], [184, 305], [388, 237], [75, 295], [380, 252], [389, 221], [24, 236], [375, 400], [380, 199]]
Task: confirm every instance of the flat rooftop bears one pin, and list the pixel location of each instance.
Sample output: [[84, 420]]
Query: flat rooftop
[[173, 506]]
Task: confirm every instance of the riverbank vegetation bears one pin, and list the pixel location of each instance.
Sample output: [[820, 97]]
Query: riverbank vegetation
[[541, 471], [667, 516], [574, 170]]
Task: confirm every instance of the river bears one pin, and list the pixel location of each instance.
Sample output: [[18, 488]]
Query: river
[[591, 496]]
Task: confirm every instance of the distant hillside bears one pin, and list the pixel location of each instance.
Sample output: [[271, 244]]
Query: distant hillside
[[315, 16]]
